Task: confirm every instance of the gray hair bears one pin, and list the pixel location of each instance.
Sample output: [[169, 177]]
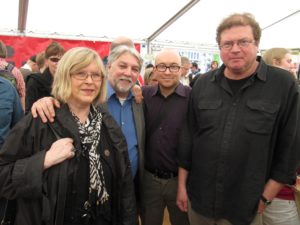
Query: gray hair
[[122, 49]]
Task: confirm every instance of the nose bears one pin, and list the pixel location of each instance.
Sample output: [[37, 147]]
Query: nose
[[89, 79], [235, 47]]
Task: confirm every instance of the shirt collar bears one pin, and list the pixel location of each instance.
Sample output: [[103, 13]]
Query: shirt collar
[[260, 73], [179, 90]]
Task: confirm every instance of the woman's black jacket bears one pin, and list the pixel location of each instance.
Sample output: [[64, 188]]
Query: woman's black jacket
[[23, 178]]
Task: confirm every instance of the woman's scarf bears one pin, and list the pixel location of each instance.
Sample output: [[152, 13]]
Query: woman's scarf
[[90, 135]]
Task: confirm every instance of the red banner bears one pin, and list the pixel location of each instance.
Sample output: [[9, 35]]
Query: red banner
[[21, 48]]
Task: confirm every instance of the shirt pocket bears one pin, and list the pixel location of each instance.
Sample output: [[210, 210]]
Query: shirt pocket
[[260, 116], [209, 113]]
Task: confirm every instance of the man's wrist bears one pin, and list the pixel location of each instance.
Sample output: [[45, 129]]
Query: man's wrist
[[265, 200]]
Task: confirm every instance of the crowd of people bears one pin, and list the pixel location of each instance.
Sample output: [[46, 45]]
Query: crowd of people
[[86, 143]]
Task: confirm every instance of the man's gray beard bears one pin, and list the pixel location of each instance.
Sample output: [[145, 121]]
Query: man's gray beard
[[124, 90]]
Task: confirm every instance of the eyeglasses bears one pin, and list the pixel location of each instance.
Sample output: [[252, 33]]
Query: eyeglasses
[[84, 75], [243, 43], [54, 59], [163, 68]]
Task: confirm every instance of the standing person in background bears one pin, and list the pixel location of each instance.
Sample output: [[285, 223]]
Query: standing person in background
[[150, 77], [29, 67], [283, 209], [84, 176], [195, 73], [39, 85], [280, 57], [165, 107], [15, 72], [185, 69], [41, 62], [240, 143], [214, 65], [11, 112]]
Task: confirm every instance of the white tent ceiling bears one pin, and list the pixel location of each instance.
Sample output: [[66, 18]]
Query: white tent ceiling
[[139, 19]]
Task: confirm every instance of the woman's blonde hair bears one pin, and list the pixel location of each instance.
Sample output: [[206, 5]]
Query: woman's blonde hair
[[274, 54], [147, 75], [73, 61]]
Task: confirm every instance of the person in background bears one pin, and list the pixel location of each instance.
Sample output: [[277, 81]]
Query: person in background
[[15, 72], [149, 65], [185, 68], [11, 112], [150, 77], [280, 57], [165, 107], [82, 178], [29, 67], [240, 143], [39, 85], [195, 73], [283, 209], [214, 65], [41, 62]]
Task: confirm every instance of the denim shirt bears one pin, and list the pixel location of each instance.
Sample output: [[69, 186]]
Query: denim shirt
[[10, 108], [123, 114]]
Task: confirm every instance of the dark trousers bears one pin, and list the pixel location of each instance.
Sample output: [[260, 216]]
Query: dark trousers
[[2, 208], [157, 194]]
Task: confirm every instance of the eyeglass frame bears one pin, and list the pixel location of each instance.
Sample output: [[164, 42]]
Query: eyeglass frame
[[242, 43], [86, 74], [168, 67]]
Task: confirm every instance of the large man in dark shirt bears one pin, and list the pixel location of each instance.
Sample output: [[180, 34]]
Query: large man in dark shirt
[[239, 146], [165, 110]]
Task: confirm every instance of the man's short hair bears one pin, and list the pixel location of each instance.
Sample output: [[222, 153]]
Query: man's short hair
[[194, 64], [33, 58], [237, 19]]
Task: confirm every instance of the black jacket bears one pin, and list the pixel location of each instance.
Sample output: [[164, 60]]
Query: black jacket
[[38, 85], [22, 176]]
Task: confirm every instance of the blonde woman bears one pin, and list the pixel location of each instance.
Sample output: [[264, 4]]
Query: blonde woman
[[80, 176], [280, 57]]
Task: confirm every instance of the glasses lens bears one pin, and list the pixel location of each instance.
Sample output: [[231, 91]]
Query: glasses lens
[[161, 68], [96, 76], [54, 59], [174, 68]]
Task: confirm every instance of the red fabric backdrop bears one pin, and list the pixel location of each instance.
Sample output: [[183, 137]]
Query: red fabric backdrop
[[21, 48]]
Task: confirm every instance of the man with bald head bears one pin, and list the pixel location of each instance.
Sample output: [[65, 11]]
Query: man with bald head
[[165, 107]]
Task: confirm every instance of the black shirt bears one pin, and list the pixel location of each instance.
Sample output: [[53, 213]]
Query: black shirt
[[232, 144], [162, 141]]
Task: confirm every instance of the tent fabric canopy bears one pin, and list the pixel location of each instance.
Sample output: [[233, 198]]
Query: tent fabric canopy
[[139, 19]]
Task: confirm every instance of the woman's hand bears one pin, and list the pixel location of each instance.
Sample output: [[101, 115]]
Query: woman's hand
[[60, 151]]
